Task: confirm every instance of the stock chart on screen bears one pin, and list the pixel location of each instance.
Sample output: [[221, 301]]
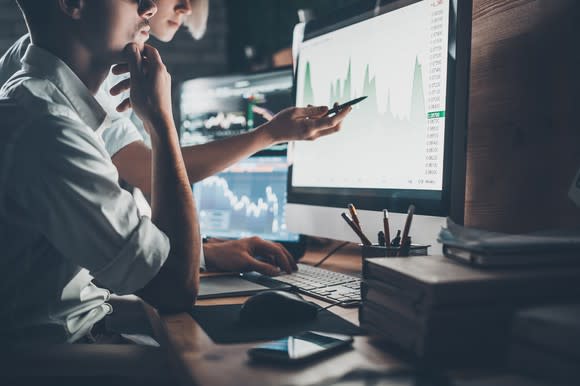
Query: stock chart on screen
[[397, 133], [247, 199], [220, 107]]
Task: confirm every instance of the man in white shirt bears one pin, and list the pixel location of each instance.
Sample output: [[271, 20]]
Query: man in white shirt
[[129, 147], [64, 219]]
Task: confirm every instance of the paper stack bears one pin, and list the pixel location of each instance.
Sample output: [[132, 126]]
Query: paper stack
[[492, 249], [438, 309]]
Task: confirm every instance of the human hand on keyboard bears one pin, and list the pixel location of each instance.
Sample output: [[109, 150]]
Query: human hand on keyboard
[[240, 256]]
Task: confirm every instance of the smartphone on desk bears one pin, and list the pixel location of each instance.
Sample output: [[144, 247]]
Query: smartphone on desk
[[300, 347]]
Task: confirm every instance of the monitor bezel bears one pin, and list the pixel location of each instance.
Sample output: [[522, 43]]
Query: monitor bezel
[[450, 200]]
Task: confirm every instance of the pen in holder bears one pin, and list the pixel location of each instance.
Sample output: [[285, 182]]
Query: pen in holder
[[376, 250]]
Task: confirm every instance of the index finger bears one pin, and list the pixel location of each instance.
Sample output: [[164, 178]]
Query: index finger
[[152, 54], [133, 58], [273, 250], [289, 256], [119, 69], [310, 111]]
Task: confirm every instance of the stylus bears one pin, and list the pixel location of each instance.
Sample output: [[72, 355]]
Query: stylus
[[339, 108]]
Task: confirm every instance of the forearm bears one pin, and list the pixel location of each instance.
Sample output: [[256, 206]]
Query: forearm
[[173, 211], [135, 166], [201, 161], [208, 159]]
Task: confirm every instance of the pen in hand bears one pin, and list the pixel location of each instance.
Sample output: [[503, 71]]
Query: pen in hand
[[339, 108]]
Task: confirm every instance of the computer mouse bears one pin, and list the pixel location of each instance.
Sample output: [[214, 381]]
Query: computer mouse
[[277, 308]]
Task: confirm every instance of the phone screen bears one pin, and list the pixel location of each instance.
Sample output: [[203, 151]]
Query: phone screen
[[300, 346]]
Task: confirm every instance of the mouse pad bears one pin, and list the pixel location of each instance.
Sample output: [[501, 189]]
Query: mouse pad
[[226, 286], [222, 325]]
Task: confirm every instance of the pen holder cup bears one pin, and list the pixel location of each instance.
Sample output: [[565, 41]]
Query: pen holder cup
[[382, 251]]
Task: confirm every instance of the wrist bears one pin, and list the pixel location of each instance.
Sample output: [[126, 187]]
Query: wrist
[[158, 117], [160, 127], [209, 257], [265, 135]]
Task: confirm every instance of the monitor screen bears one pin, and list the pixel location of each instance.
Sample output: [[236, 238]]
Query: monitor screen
[[247, 199], [220, 107], [397, 146]]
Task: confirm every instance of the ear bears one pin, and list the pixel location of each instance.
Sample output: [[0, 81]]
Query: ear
[[72, 8]]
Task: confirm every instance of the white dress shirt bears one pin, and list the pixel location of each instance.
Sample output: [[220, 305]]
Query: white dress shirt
[[64, 219], [119, 133], [123, 128]]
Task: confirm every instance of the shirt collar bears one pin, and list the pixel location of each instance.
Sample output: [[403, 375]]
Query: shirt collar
[[45, 65]]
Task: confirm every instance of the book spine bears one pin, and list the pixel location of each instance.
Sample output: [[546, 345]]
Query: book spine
[[382, 295], [378, 324], [375, 271]]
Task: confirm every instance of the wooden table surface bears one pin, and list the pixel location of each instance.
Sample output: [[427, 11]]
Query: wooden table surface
[[198, 360]]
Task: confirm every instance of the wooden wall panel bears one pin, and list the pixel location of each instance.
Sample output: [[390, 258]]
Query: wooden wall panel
[[524, 135]]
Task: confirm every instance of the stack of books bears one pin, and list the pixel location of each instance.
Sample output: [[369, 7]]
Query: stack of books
[[493, 249], [443, 311]]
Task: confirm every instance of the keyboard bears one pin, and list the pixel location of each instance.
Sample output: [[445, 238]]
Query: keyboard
[[323, 284]]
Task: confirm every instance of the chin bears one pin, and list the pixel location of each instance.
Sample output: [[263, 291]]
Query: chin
[[165, 37]]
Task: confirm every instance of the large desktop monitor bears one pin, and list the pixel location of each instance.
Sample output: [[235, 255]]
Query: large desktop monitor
[[404, 144], [219, 107]]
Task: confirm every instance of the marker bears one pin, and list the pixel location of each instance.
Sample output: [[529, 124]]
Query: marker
[[381, 239], [396, 242], [407, 227], [358, 232], [386, 225], [338, 109]]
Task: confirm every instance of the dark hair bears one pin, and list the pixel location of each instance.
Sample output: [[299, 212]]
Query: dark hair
[[34, 10]]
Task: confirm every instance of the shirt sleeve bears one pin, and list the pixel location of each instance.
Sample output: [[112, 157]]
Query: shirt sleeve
[[121, 131], [119, 134], [10, 62], [145, 210], [66, 188]]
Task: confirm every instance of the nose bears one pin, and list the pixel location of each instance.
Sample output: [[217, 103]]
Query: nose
[[184, 7], [147, 9]]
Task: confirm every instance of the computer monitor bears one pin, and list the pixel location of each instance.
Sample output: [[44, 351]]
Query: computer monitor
[[219, 107], [405, 144], [247, 199]]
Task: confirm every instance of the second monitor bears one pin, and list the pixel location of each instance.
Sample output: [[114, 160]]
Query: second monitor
[[215, 108], [247, 199]]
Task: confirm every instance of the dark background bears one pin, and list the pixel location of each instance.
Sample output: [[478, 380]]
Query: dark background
[[265, 25]]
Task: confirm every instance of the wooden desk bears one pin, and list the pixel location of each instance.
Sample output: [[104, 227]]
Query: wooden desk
[[197, 360], [200, 361]]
